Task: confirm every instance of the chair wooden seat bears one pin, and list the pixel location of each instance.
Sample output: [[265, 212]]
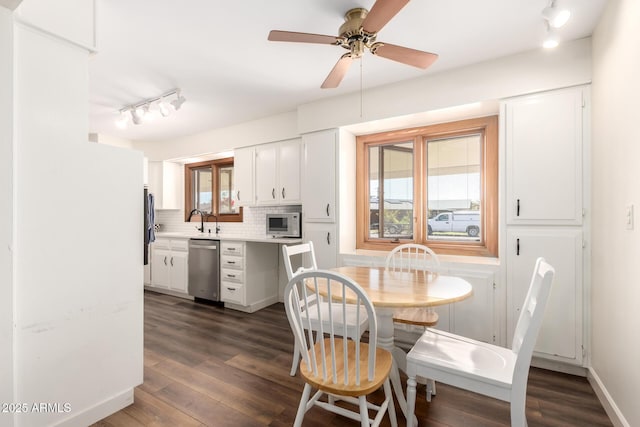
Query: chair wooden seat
[[383, 367], [416, 316]]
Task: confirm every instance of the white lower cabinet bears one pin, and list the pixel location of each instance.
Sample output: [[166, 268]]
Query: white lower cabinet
[[325, 243], [169, 264], [561, 335], [472, 317], [248, 275]]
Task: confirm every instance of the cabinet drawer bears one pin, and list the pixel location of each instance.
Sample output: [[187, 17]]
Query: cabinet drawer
[[233, 262], [162, 244], [180, 245], [232, 292], [232, 275], [233, 248]]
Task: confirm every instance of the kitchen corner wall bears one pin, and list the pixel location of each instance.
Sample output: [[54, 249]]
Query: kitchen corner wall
[[616, 247], [6, 213], [76, 290], [253, 224]]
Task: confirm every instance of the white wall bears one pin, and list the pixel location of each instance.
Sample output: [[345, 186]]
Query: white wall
[[78, 243], [269, 129], [111, 140], [616, 178], [6, 212], [533, 71]]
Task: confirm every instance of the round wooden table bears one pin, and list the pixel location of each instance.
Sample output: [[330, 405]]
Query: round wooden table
[[390, 290]]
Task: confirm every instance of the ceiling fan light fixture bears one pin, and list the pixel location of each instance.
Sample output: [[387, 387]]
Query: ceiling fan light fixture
[[554, 16]]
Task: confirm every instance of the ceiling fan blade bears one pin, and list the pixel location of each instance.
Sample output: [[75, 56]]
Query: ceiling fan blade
[[416, 58], [338, 72], [291, 36], [381, 13]]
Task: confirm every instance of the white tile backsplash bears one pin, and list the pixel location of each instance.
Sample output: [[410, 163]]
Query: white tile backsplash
[[253, 224]]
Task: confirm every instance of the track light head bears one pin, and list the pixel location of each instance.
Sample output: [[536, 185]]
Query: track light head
[[554, 16], [136, 115], [122, 120], [164, 109], [177, 103], [551, 41]]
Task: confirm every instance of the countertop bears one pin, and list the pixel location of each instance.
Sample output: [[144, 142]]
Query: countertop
[[222, 236]]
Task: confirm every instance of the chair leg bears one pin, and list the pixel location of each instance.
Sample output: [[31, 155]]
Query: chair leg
[[296, 360], [302, 407], [364, 412], [518, 417], [411, 400], [388, 393], [431, 389]]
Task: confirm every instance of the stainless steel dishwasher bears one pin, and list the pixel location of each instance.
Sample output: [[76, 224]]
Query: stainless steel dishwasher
[[204, 269]]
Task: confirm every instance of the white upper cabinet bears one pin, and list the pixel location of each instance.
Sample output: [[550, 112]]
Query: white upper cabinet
[[166, 183], [243, 175], [544, 143], [277, 173], [319, 176], [290, 159]]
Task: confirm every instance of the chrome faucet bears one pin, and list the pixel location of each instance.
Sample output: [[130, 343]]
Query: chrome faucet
[[198, 211], [217, 226]]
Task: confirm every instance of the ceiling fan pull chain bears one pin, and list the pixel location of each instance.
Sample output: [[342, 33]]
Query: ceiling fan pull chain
[[361, 86]]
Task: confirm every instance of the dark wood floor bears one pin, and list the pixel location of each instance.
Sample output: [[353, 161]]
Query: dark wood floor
[[209, 366]]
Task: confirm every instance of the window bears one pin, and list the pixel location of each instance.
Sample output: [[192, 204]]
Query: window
[[436, 185], [209, 188]]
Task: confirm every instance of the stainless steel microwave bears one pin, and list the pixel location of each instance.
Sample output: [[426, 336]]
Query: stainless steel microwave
[[284, 224]]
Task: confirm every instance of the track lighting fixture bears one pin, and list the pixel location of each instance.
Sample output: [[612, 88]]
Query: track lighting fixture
[[150, 109]]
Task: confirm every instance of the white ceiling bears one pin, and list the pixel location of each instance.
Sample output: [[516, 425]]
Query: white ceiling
[[218, 54]]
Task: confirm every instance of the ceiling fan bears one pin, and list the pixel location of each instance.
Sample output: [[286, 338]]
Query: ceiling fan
[[357, 34]]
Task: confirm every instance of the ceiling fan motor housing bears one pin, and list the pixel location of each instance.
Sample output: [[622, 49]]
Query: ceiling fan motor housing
[[354, 37]]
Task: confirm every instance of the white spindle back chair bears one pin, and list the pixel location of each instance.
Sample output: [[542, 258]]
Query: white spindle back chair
[[353, 329], [480, 367], [343, 369]]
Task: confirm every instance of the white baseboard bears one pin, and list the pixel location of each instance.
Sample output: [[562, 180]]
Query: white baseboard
[[554, 365], [607, 402], [99, 411]]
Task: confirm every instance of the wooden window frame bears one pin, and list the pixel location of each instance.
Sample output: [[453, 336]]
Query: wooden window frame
[[188, 191], [488, 127]]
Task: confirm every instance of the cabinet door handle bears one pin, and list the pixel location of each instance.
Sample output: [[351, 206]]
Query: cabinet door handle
[[327, 209], [273, 193], [171, 261], [238, 195], [518, 247], [283, 192], [328, 237], [518, 207], [165, 260]]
